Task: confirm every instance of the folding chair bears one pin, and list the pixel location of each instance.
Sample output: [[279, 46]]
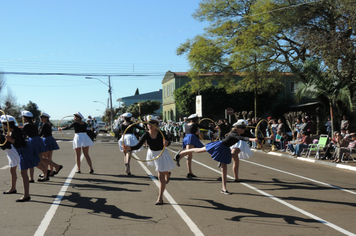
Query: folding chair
[[352, 150], [323, 139]]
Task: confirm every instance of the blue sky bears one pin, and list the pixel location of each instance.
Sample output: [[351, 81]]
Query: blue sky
[[123, 37]]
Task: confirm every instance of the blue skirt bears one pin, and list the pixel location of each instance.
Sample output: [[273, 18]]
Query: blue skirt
[[192, 139], [219, 152], [27, 157], [50, 143], [37, 144]]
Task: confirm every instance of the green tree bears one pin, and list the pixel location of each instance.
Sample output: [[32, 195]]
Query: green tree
[[320, 84], [107, 115], [185, 100], [259, 37], [143, 108], [33, 108], [216, 99], [220, 50]]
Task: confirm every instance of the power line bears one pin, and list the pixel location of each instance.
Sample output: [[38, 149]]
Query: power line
[[80, 74]]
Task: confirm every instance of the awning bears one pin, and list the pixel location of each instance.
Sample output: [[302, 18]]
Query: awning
[[305, 104]]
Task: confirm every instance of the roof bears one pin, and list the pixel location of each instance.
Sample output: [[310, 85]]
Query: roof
[[171, 75], [156, 95]]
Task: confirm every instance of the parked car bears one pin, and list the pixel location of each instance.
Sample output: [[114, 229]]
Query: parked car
[[102, 126]]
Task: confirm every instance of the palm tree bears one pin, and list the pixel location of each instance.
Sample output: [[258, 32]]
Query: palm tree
[[320, 84]]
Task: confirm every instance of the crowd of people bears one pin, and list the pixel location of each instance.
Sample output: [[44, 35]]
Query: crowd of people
[[230, 144], [33, 145], [341, 142], [29, 147], [92, 127]]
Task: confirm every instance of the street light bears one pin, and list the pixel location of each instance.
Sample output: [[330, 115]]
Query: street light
[[107, 106], [109, 91]]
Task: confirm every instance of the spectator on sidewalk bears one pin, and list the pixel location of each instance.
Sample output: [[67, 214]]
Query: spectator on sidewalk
[[341, 150], [281, 139], [330, 146], [280, 126], [274, 126], [306, 125], [297, 124], [343, 133], [299, 145], [328, 126], [344, 123]]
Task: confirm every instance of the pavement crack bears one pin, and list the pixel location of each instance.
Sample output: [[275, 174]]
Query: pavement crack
[[69, 222]]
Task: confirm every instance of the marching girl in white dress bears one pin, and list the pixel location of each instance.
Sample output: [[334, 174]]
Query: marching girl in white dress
[[129, 139], [164, 164], [13, 158], [81, 141], [239, 151]]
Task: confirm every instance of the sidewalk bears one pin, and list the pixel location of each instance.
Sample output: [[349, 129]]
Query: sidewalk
[[351, 165]]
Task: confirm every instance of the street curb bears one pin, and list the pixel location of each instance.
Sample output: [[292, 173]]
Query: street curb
[[312, 160]]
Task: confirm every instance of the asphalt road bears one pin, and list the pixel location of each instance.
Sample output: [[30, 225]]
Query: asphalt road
[[278, 196]]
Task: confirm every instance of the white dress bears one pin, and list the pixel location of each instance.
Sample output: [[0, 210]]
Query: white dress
[[13, 156], [163, 163], [81, 140], [129, 140], [245, 151]]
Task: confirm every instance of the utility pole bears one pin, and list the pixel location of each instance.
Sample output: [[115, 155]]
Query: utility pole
[[111, 110], [110, 94]]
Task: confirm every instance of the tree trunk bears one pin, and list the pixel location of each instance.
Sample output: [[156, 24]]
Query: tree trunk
[[332, 118], [255, 100]]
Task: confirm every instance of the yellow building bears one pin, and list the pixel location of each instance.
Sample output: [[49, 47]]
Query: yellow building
[[175, 80]]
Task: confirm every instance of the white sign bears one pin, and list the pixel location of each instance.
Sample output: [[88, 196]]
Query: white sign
[[199, 105]]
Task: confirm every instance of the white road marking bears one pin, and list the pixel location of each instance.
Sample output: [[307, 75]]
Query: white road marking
[[331, 225], [42, 228], [193, 227], [313, 160], [50, 213], [5, 167], [299, 176]]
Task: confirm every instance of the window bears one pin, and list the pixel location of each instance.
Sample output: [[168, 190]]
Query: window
[[172, 88], [168, 88], [164, 91], [293, 87]]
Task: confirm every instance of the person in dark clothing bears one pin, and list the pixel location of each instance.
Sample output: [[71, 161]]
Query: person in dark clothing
[[223, 129]]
